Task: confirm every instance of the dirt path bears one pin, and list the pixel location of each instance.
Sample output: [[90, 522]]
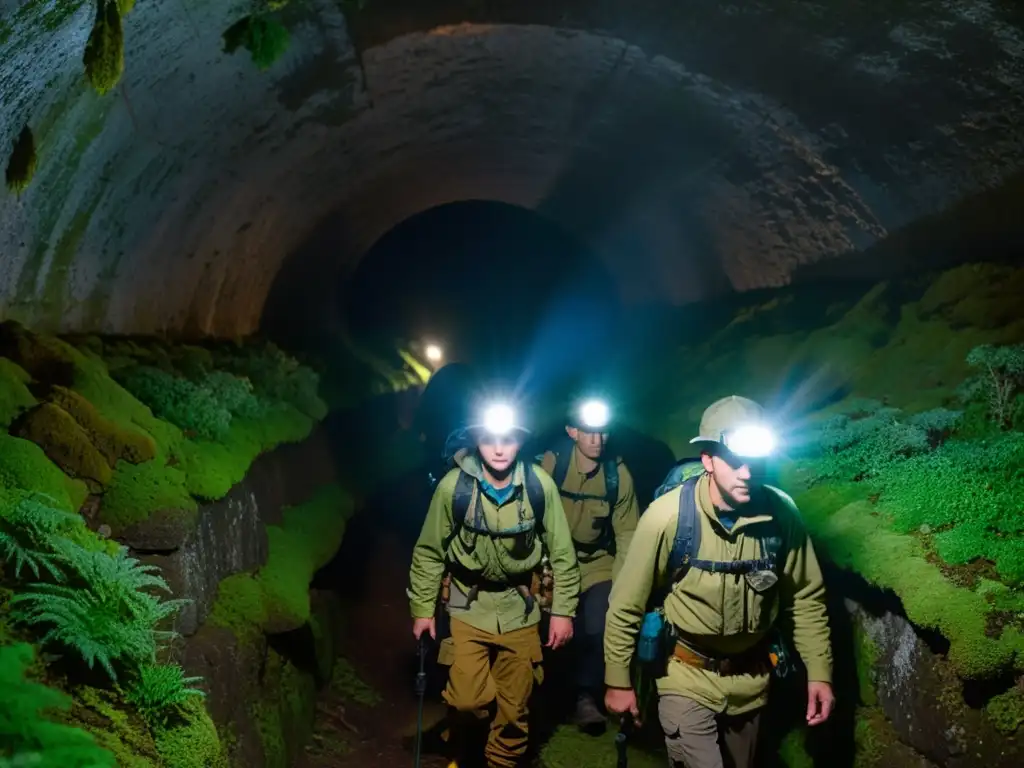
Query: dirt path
[[374, 724]]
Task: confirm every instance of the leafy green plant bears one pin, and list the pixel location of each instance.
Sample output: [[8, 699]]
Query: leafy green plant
[[266, 39], [1000, 380], [233, 393], [28, 738], [275, 376], [29, 530], [856, 448], [191, 407], [159, 689], [108, 616]]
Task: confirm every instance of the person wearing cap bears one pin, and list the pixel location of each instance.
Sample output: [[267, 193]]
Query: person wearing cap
[[601, 508], [487, 529], [720, 606]]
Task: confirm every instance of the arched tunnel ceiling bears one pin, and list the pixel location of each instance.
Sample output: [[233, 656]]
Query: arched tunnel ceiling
[[696, 146]]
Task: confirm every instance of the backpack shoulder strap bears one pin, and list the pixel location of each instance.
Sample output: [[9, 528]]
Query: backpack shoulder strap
[[461, 499], [772, 538], [686, 543], [611, 482], [535, 493], [561, 470]]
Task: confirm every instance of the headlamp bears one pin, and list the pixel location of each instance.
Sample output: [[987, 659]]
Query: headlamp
[[499, 419], [434, 353], [752, 441], [594, 415]]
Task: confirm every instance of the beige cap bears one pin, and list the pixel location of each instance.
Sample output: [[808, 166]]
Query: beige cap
[[726, 415]]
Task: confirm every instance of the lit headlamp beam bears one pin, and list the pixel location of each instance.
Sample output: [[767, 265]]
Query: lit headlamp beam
[[594, 414], [499, 419], [753, 441]]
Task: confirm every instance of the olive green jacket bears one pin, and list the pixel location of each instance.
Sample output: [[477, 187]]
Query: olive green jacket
[[719, 613], [587, 518], [494, 559]]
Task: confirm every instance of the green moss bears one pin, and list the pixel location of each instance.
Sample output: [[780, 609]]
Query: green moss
[[213, 468], [136, 491], [113, 441], [65, 251], [30, 729], [1001, 597], [793, 750], [239, 607], [115, 729], [349, 686], [1006, 711], [50, 14], [66, 444], [191, 743], [284, 712], [857, 537], [14, 394], [104, 51], [88, 113], [55, 363], [569, 748], [985, 296], [21, 167], [276, 598], [23, 465], [306, 540], [866, 657]]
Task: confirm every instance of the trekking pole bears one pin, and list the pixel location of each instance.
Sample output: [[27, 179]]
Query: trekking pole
[[625, 729], [421, 691]]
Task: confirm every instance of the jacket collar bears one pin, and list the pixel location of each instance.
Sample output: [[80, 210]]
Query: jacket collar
[[757, 511]]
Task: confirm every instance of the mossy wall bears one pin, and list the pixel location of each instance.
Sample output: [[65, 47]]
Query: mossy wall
[[900, 474], [116, 433]]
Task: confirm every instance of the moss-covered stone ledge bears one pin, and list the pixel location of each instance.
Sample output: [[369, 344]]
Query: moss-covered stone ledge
[[265, 620], [140, 437]]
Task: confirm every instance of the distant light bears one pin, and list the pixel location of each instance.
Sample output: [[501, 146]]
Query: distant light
[[499, 419], [434, 353], [594, 414], [752, 442]]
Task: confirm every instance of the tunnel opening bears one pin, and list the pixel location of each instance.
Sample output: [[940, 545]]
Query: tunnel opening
[[495, 285]]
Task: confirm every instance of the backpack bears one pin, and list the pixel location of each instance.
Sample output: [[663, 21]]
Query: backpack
[[655, 632], [686, 544], [463, 495], [606, 541]]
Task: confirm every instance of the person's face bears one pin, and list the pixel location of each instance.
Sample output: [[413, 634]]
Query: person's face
[[590, 444], [498, 453], [735, 477]]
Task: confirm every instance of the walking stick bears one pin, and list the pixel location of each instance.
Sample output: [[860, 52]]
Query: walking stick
[[421, 691], [625, 729]]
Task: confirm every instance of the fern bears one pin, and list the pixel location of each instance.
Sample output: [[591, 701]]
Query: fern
[[110, 618], [27, 738], [159, 688], [32, 531]]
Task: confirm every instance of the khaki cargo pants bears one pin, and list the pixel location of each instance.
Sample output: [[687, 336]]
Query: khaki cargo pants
[[698, 737], [485, 668]]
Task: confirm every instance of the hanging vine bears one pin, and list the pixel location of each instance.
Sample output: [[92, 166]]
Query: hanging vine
[[21, 166], [265, 38], [104, 52]]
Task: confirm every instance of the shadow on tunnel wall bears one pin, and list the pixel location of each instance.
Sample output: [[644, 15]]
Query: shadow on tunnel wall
[[656, 150], [300, 312], [985, 227]]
